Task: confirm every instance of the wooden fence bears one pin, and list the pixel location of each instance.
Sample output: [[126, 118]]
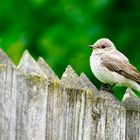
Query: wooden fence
[[36, 105]]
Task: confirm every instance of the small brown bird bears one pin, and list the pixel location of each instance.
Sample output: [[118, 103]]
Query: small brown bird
[[112, 67]]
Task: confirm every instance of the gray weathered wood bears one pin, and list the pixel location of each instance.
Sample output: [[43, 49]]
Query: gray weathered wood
[[78, 109], [88, 116], [36, 105], [112, 122], [70, 78], [74, 115], [55, 104], [4, 59], [132, 105], [47, 70], [55, 112], [31, 101], [88, 84], [7, 98], [28, 65]]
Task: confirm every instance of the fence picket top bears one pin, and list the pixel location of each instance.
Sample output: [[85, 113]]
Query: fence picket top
[[4, 59], [131, 101], [82, 84], [46, 69], [70, 78], [87, 82], [67, 109], [28, 65], [109, 98]]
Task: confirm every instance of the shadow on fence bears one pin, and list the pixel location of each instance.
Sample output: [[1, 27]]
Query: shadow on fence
[[36, 105]]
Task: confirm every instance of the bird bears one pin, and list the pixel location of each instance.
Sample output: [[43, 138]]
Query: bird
[[112, 67]]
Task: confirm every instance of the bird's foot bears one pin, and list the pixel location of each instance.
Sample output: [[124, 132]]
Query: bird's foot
[[106, 87]]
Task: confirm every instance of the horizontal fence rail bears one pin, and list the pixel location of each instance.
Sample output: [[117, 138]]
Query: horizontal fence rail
[[36, 105]]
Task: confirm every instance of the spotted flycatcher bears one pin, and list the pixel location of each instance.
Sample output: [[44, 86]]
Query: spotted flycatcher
[[112, 67]]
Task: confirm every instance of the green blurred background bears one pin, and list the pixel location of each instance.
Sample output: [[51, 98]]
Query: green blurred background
[[60, 31]]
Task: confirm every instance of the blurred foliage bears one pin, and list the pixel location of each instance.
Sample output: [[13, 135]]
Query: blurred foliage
[[60, 31]]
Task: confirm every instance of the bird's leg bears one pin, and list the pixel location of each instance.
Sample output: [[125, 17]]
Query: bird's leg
[[103, 86], [106, 87]]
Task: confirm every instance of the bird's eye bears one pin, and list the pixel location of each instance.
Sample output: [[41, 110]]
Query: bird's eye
[[103, 46]]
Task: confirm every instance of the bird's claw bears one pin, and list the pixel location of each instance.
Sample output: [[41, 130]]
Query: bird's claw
[[106, 87]]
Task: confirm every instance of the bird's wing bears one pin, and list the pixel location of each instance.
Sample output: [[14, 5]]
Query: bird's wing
[[121, 66]]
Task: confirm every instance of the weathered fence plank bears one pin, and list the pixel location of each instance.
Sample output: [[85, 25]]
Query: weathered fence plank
[[36, 105], [4, 59], [74, 105], [46, 69], [70, 78], [31, 100], [55, 104], [88, 84], [132, 105], [55, 111], [114, 114], [28, 65], [7, 98]]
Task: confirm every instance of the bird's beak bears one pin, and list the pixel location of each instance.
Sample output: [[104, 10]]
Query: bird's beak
[[91, 46]]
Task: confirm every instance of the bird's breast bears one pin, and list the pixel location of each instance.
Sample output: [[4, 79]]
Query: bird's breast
[[96, 66], [101, 72]]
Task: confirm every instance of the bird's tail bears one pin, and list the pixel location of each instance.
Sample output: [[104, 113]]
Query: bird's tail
[[134, 85]]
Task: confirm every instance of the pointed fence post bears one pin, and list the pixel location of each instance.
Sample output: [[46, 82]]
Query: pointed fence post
[[91, 112], [70, 78], [5, 60], [132, 105], [31, 100], [87, 83], [7, 98], [36, 105], [55, 104], [74, 104], [46, 69]]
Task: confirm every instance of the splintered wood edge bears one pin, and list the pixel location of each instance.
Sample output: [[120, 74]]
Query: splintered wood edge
[[70, 78], [46, 69], [28, 65], [109, 98], [87, 82], [4, 59], [131, 101]]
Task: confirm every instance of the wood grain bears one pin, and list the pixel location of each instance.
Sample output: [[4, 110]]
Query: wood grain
[[36, 105]]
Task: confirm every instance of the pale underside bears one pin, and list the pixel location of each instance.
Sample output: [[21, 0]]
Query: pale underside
[[115, 69]]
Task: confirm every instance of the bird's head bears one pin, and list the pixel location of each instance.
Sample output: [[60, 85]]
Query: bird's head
[[102, 45]]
